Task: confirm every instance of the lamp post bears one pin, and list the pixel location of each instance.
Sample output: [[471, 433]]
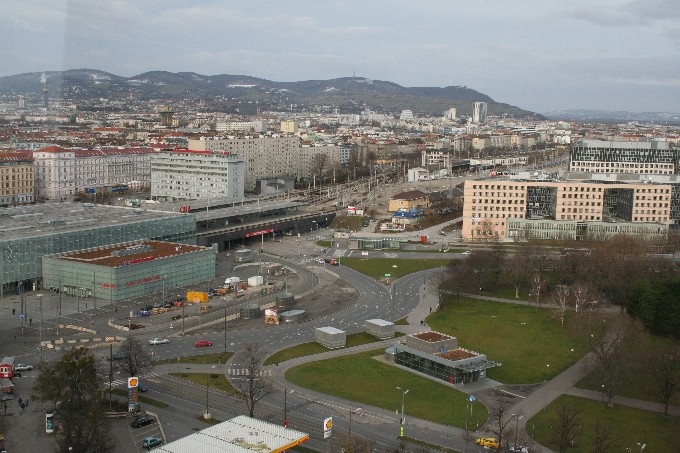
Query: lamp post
[[547, 369], [40, 296], [517, 419], [349, 428], [401, 421]]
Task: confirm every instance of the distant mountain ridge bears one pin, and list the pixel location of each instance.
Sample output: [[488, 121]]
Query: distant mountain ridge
[[348, 94]]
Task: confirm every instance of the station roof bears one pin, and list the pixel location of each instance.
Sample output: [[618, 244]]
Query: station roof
[[130, 253], [45, 219], [239, 435]]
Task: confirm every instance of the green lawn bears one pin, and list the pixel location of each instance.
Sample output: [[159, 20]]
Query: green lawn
[[641, 384], [215, 381], [142, 398], [524, 339], [629, 425], [324, 243], [378, 267], [313, 347], [217, 357], [364, 380]]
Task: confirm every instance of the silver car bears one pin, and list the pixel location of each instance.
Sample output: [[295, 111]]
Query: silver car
[[155, 341]]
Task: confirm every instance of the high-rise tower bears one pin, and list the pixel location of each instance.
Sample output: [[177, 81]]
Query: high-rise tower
[[479, 112], [46, 95], [166, 112]]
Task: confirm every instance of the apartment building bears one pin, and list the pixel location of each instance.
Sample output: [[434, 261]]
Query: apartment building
[[289, 127], [642, 157], [438, 157], [16, 179], [190, 175], [264, 156], [505, 209], [479, 111], [63, 172], [241, 126]]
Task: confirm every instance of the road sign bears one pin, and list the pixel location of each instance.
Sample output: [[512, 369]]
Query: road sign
[[109, 338], [327, 427], [471, 398], [388, 275], [22, 316]]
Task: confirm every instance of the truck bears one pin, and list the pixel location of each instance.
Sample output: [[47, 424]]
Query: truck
[[133, 202]]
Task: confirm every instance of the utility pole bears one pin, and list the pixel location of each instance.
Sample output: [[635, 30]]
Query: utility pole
[[40, 296], [111, 374]]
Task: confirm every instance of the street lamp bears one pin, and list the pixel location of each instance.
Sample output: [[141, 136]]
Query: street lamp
[[401, 422], [517, 419], [349, 429], [547, 369], [40, 296]]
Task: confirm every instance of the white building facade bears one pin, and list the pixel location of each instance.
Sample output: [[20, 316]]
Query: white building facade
[[191, 175], [63, 172]]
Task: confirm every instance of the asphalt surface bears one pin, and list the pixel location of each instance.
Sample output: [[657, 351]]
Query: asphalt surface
[[412, 297]]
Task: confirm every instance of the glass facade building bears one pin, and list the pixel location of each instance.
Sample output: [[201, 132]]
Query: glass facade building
[[131, 278], [21, 255]]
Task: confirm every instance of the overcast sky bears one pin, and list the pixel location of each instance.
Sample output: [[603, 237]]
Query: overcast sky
[[540, 55]]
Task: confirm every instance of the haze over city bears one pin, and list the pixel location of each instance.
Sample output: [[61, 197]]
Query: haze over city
[[538, 55]]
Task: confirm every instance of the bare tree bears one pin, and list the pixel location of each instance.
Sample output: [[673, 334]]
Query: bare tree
[[566, 428], [74, 382], [560, 303], [135, 360], [517, 271], [254, 385], [319, 164], [666, 372], [603, 439], [500, 420], [614, 352]]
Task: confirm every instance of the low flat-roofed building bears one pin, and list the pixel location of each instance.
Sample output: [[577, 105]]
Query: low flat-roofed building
[[438, 355], [128, 270], [27, 233], [239, 435]]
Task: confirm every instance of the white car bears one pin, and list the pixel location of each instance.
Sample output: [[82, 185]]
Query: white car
[[159, 341], [23, 367], [467, 252]]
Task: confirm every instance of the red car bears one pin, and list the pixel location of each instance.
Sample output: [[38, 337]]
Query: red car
[[201, 343]]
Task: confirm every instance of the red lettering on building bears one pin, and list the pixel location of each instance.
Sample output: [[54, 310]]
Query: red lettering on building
[[139, 260], [143, 280]]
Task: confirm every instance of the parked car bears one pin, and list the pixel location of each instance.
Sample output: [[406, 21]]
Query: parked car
[[142, 421], [155, 341], [143, 313], [23, 367], [115, 356], [146, 307], [158, 304], [467, 252], [490, 442], [150, 442], [202, 343], [142, 388]]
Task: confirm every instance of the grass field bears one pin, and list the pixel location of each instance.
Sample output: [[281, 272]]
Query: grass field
[[215, 381], [217, 357], [362, 379], [629, 426], [378, 267], [524, 339], [313, 347], [641, 383]]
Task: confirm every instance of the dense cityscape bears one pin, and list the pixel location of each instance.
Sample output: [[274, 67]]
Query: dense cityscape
[[339, 226]]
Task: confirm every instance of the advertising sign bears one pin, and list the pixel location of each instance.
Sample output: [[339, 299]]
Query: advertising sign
[[327, 427]]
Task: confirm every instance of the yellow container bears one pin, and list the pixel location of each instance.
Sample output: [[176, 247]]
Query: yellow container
[[197, 296]]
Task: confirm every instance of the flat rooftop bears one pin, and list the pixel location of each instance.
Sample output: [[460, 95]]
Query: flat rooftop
[[238, 435], [432, 337], [130, 253], [456, 354], [246, 209], [44, 219]]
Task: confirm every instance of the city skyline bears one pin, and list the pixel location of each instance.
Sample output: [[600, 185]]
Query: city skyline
[[540, 56]]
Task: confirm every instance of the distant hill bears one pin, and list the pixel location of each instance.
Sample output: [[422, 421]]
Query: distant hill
[[347, 94], [604, 116]]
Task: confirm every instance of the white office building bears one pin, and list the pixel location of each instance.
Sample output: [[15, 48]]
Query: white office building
[[191, 175], [264, 156], [479, 112]]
